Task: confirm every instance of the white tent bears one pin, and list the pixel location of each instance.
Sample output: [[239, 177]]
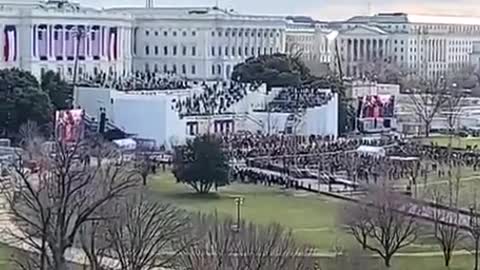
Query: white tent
[[404, 158], [126, 144], [371, 150]]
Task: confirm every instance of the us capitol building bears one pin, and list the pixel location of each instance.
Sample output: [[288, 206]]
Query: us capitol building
[[198, 43], [207, 42]]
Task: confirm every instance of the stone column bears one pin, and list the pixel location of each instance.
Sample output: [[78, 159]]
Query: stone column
[[36, 41], [354, 50], [64, 45], [48, 41], [365, 48]]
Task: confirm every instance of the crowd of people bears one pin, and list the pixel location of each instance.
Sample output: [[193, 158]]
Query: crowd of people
[[214, 99], [247, 145], [290, 100], [316, 156], [138, 81]]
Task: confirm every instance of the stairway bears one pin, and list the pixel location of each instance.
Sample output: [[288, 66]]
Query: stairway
[[92, 125]]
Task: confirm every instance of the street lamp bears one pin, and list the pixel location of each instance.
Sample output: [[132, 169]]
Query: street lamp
[[238, 202]]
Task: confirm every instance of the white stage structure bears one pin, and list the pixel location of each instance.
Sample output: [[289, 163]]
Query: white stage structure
[[151, 114]]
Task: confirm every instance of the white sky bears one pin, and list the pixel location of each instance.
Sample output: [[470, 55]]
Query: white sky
[[318, 9]]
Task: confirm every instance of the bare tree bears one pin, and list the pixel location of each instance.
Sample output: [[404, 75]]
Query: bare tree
[[221, 246], [148, 234], [391, 222], [447, 224], [414, 170], [30, 138], [427, 96], [92, 237], [473, 230], [382, 71], [357, 221], [144, 163], [53, 205]]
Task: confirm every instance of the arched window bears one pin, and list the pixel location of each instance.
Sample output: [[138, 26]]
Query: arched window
[[184, 69], [219, 69]]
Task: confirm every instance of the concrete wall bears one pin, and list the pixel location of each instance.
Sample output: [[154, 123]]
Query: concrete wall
[[321, 120], [149, 117], [91, 99]]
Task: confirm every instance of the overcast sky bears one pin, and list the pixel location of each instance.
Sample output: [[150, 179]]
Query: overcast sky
[[319, 9]]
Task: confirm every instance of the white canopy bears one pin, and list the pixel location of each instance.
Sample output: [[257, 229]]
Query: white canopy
[[126, 144], [371, 150], [404, 158]]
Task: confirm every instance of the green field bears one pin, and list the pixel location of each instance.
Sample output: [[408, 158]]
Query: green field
[[312, 218], [458, 142], [5, 256]]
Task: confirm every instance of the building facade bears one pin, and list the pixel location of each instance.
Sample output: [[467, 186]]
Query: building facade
[[40, 36], [197, 43], [311, 40], [427, 45], [201, 43]]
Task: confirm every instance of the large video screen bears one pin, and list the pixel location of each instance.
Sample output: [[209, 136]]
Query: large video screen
[[376, 106], [69, 125]]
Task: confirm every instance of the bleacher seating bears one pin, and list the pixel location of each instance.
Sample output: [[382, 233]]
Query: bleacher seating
[[138, 81], [291, 100], [215, 99]]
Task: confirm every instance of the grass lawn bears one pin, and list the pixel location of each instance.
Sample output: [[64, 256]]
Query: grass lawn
[[432, 263], [5, 254], [311, 217], [460, 142], [407, 263]]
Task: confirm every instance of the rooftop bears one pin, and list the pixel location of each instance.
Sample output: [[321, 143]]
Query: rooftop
[[179, 12], [414, 18]]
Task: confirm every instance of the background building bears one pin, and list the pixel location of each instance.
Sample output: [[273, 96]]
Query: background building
[[39, 36], [200, 43], [311, 40], [428, 45]]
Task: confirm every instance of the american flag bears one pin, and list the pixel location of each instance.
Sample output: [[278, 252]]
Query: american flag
[[42, 41], [95, 38], [58, 41], [10, 47], [112, 44]]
